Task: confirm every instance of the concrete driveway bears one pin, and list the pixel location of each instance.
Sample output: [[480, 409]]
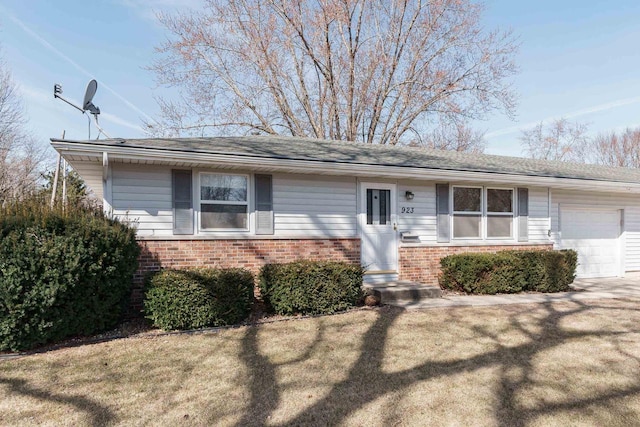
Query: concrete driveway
[[585, 289]]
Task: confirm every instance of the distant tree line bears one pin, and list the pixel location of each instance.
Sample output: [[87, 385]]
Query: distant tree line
[[569, 141]]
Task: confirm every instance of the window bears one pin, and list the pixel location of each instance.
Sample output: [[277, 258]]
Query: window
[[499, 213], [378, 206], [467, 212], [471, 204], [223, 202]]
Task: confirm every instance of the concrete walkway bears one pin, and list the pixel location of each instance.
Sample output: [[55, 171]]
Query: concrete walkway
[[585, 289]]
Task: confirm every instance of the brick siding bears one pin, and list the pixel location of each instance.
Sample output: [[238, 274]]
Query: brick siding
[[415, 263], [422, 263], [251, 254]]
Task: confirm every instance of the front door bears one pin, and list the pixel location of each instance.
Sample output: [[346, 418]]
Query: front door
[[378, 227]]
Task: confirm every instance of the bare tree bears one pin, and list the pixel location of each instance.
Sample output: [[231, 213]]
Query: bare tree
[[612, 149], [453, 136], [559, 140], [376, 71], [20, 157]]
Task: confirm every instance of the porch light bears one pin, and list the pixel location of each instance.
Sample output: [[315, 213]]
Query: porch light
[[408, 195]]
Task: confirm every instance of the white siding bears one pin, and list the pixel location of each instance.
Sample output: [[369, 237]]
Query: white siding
[[91, 173], [538, 215], [304, 206], [422, 221], [323, 206], [142, 194], [314, 206], [631, 226], [632, 238], [555, 220]]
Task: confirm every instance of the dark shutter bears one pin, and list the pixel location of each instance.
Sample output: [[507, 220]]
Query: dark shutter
[[442, 207], [523, 214], [182, 202], [264, 204]]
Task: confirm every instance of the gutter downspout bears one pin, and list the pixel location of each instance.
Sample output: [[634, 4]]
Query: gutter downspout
[[106, 185]]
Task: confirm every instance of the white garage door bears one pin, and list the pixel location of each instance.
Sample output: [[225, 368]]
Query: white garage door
[[595, 234]]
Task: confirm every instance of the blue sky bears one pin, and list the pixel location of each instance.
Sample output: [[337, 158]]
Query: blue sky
[[577, 59]]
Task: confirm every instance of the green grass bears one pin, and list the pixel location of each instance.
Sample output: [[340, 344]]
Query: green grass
[[569, 363]]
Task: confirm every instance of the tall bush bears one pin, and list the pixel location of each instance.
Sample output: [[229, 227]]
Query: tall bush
[[61, 273], [311, 287], [509, 271], [196, 298]]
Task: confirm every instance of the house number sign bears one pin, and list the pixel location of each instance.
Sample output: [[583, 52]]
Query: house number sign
[[406, 209]]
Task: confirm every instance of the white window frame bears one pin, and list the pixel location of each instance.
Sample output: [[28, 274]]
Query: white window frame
[[511, 214], [483, 214], [467, 213], [246, 203]]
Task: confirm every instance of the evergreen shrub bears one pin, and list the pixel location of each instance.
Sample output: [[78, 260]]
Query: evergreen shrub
[[509, 271], [197, 298], [62, 274], [311, 287]]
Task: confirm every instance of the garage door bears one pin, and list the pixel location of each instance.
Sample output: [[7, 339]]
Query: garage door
[[595, 234]]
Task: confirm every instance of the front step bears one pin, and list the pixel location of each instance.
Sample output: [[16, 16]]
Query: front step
[[403, 291]]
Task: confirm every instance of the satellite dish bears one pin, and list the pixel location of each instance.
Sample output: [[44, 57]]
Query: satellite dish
[[87, 104], [89, 94]]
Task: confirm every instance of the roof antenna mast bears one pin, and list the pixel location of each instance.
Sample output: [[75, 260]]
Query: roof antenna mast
[[87, 105]]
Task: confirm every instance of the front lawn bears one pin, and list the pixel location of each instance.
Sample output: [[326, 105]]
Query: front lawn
[[570, 363]]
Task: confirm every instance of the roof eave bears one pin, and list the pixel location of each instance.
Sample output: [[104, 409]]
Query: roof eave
[[152, 154]]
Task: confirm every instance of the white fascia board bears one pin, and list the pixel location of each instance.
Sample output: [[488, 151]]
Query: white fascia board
[[333, 168]]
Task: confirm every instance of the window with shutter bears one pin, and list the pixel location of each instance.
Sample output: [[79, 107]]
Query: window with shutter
[[481, 213]]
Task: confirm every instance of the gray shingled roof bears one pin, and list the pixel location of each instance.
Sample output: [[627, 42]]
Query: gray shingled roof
[[367, 154]]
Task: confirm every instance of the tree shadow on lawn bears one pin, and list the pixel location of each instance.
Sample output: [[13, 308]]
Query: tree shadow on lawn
[[265, 393], [517, 371], [129, 328], [97, 414], [368, 381]]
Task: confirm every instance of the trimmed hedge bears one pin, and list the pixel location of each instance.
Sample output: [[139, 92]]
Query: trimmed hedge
[[509, 271], [311, 287], [197, 298], [61, 274]]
